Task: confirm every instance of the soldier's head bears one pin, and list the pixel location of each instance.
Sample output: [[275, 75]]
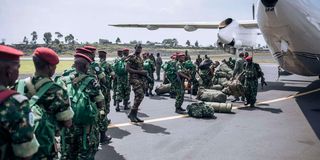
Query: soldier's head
[[206, 56], [138, 48], [158, 54], [181, 57], [125, 52], [86, 52], [249, 59], [9, 65], [246, 54], [145, 55], [120, 53], [45, 61], [173, 56], [92, 49], [102, 55], [82, 62], [199, 56], [241, 55]]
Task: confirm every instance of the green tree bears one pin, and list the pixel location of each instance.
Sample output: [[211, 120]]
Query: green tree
[[188, 43], [25, 40], [47, 37], [34, 37], [59, 36], [69, 39], [196, 44], [118, 40]]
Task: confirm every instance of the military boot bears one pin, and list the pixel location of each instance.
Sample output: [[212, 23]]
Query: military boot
[[150, 92], [126, 105], [146, 93], [104, 139], [180, 110], [133, 116], [117, 106]]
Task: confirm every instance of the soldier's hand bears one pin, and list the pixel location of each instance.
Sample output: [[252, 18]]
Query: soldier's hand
[[144, 72], [263, 83]]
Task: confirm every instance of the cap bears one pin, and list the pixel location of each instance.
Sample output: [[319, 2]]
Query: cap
[[83, 56], [83, 51], [249, 58], [47, 54], [9, 53], [91, 48]]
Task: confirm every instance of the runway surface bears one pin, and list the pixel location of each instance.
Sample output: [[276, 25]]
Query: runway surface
[[284, 125]]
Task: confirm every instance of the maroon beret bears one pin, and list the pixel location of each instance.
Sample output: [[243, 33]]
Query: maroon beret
[[91, 48], [83, 51], [83, 56], [179, 54], [9, 54], [249, 58], [47, 54], [126, 49]]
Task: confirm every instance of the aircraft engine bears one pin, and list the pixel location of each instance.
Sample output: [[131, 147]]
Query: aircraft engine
[[227, 32], [190, 28]]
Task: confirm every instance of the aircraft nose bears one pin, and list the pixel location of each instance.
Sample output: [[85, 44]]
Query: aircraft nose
[[269, 3]]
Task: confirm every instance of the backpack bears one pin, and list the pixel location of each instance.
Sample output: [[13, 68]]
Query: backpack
[[43, 128], [120, 67], [85, 111]]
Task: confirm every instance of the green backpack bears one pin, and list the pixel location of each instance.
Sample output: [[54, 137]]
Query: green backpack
[[85, 111], [43, 127], [120, 67]]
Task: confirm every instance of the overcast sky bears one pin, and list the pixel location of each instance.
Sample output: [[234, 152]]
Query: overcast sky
[[88, 20]]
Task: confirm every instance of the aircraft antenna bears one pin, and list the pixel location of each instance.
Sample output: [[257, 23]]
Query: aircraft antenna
[[253, 16]]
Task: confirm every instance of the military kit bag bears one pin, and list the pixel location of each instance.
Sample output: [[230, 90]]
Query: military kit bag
[[43, 127], [85, 111], [200, 110], [163, 89], [205, 64], [209, 95], [220, 107]]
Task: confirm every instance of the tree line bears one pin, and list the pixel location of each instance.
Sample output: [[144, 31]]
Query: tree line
[[49, 39]]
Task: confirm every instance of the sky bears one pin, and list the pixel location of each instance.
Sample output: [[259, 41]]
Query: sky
[[88, 20]]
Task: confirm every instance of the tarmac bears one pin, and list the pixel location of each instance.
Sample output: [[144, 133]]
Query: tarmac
[[283, 125]]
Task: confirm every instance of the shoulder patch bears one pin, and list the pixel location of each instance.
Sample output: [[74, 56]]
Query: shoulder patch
[[20, 98]]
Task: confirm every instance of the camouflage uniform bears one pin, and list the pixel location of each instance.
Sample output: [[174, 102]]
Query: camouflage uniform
[[74, 146], [16, 128], [158, 67], [192, 70], [176, 81], [56, 107], [148, 65], [123, 86], [136, 80], [108, 71], [206, 76], [252, 73]]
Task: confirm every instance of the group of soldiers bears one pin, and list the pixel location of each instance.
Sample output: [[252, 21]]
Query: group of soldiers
[[75, 106]]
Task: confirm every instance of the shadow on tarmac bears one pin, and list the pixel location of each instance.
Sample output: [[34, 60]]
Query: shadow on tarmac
[[310, 106], [281, 86], [118, 133], [153, 129], [111, 153], [271, 110]]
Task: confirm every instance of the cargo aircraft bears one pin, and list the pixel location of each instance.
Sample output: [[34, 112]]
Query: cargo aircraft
[[291, 29]]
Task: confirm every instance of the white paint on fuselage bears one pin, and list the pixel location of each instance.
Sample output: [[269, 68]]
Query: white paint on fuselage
[[292, 32]]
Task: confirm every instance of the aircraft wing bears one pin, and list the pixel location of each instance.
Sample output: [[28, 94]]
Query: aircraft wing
[[186, 26]]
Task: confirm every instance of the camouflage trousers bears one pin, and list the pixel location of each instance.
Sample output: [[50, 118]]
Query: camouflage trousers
[[149, 84], [138, 89], [206, 80], [178, 89], [251, 89], [158, 69], [79, 143], [123, 89], [114, 88]]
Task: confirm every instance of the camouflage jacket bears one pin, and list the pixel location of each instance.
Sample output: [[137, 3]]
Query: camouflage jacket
[[16, 128], [148, 65], [252, 71], [136, 63], [108, 71]]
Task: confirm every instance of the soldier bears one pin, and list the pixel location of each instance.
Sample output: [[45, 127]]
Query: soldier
[[148, 65], [187, 56], [158, 66], [151, 57], [176, 77], [114, 84], [252, 73], [238, 70], [136, 77], [81, 140], [122, 87], [198, 60], [206, 73], [128, 88], [192, 70], [17, 140], [51, 100]]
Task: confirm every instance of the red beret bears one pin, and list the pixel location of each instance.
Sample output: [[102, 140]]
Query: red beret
[[83, 51], [47, 54], [180, 54], [91, 48], [249, 58], [9, 54], [126, 49], [83, 56]]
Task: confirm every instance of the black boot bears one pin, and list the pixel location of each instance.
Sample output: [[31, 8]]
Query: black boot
[[126, 106], [236, 99], [104, 139], [117, 107], [150, 92], [132, 116], [180, 110], [146, 93], [114, 102]]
